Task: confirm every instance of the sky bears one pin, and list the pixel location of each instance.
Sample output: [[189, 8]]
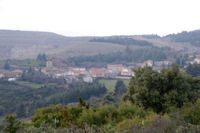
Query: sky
[[101, 17]]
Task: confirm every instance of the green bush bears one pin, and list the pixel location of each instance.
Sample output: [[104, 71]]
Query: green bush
[[191, 113]]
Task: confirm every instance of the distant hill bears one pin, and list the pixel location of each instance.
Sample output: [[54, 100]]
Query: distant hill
[[8, 37], [28, 44], [192, 37], [15, 43]]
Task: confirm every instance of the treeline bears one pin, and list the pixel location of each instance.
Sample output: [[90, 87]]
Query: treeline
[[139, 55], [122, 41], [23, 100], [192, 37], [151, 36], [85, 90]]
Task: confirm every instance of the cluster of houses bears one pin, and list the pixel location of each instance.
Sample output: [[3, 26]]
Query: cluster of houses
[[88, 74], [57, 69], [110, 71], [11, 75]]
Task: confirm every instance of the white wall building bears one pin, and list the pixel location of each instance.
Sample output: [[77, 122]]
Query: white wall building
[[88, 79], [11, 79], [49, 64]]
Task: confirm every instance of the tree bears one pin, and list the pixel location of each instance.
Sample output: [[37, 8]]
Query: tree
[[12, 125], [181, 60], [161, 90], [41, 58], [120, 87], [7, 66], [82, 103], [190, 112], [193, 69]]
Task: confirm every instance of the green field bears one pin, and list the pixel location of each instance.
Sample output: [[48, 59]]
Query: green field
[[29, 84], [110, 83], [2, 70]]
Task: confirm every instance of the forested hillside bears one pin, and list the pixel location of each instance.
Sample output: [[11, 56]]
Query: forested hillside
[[155, 102], [140, 55], [192, 37], [122, 41], [28, 94]]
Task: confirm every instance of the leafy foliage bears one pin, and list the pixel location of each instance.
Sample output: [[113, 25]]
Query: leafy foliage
[[156, 102], [193, 69], [120, 87], [82, 103], [12, 125], [181, 60], [58, 116], [25, 99], [7, 66], [41, 58], [191, 113], [161, 90]]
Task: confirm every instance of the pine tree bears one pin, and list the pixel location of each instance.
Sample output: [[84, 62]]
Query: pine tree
[[120, 87], [7, 66], [82, 103], [12, 125]]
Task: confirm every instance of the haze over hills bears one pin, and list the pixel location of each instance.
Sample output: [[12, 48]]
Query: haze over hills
[[28, 44]]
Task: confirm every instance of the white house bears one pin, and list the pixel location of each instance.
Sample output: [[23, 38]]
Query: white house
[[11, 79], [148, 63], [88, 79], [197, 60]]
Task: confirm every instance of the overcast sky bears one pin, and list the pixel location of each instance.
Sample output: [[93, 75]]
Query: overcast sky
[[101, 17]]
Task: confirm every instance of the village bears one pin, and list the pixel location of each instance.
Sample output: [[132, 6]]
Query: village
[[54, 68]]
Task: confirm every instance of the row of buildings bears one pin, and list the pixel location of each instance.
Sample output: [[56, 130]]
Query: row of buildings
[[11, 75], [89, 74], [110, 71]]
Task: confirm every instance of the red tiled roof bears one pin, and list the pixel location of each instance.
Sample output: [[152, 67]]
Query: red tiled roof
[[116, 65], [97, 71]]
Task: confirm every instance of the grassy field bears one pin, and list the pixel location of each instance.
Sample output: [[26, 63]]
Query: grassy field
[[2, 70], [29, 84], [25, 62], [110, 83]]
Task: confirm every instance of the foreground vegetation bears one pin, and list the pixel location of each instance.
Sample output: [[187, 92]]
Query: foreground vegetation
[[155, 102], [30, 93]]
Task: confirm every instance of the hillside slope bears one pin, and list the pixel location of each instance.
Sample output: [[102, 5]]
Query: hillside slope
[[28, 44]]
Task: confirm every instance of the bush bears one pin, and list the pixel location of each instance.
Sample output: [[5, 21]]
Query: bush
[[161, 90], [155, 124], [191, 113]]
